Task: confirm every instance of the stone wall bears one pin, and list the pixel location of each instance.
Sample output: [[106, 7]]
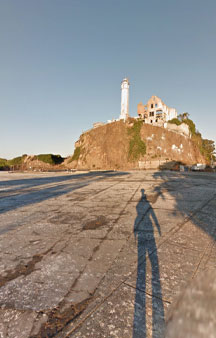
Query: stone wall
[[181, 129], [153, 164]]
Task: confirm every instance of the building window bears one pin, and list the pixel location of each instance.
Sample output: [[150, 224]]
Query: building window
[[156, 105], [151, 113], [152, 106]]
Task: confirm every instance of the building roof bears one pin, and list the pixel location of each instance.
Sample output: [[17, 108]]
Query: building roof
[[126, 80]]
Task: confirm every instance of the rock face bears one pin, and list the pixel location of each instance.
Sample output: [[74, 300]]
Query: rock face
[[107, 147], [31, 162]]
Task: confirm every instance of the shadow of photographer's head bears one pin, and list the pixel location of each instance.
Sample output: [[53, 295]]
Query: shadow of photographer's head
[[143, 195]]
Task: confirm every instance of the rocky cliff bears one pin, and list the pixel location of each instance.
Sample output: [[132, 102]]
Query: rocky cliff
[[132, 145]]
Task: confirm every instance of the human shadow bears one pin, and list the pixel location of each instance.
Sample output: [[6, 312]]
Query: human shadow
[[191, 195], [146, 248]]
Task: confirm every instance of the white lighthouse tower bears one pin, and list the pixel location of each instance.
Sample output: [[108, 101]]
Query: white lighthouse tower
[[124, 99]]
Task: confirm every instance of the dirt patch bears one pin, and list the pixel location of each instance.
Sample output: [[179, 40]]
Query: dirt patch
[[58, 318], [95, 224], [21, 269]]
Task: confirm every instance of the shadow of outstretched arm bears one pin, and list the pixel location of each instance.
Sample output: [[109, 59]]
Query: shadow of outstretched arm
[[156, 221]]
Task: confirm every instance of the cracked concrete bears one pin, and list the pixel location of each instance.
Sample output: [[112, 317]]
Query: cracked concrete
[[102, 254]]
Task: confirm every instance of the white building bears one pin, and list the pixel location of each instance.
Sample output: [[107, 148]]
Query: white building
[[124, 99], [156, 111]]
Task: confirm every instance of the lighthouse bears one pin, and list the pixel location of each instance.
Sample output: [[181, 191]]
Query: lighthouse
[[124, 99]]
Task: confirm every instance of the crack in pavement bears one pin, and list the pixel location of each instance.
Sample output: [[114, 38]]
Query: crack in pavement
[[174, 230]]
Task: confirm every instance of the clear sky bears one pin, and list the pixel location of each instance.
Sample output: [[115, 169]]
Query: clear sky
[[62, 62]]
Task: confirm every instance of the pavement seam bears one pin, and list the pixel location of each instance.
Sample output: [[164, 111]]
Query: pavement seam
[[92, 311], [102, 190], [147, 293], [174, 230], [26, 269], [39, 188], [167, 236], [104, 299], [208, 249]]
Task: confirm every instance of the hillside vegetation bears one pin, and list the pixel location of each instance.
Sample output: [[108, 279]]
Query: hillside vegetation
[[126, 145], [137, 146], [42, 161], [206, 147], [3, 164]]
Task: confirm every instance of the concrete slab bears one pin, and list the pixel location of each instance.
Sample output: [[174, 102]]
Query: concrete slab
[[71, 243]]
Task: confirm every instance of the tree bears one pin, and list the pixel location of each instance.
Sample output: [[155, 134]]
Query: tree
[[208, 147], [185, 115], [180, 117]]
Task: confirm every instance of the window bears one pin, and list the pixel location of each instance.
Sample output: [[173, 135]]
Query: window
[[152, 106], [151, 113], [156, 105]]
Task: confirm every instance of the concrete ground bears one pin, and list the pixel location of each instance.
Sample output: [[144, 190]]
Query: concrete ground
[[103, 254]]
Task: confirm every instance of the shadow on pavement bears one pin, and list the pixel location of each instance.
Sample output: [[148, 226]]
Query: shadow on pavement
[[190, 187], [193, 195], [146, 248], [31, 182], [20, 197]]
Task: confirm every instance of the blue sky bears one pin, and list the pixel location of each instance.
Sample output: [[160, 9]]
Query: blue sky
[[62, 62]]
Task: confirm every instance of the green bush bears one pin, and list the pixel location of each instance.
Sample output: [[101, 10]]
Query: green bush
[[175, 121], [18, 161], [50, 158], [137, 147], [3, 164], [207, 149], [191, 126], [76, 154], [15, 161], [187, 121]]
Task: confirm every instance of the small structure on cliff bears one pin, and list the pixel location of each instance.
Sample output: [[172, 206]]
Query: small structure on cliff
[[156, 111], [124, 99]]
